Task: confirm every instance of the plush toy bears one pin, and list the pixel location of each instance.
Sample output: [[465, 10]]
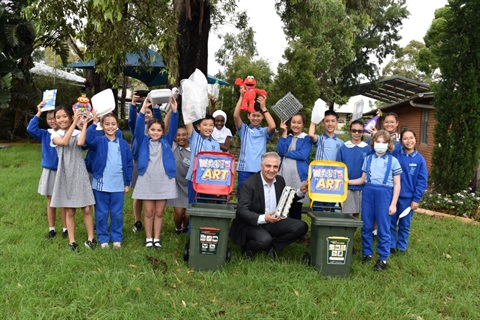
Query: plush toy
[[83, 104], [250, 93]]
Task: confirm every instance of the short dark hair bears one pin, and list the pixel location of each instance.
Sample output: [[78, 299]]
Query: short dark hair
[[407, 130], [392, 114], [153, 121], [360, 122], [330, 113]]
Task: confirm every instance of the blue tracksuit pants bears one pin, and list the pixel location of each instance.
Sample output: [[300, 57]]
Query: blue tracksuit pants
[[399, 235], [376, 200], [105, 203]]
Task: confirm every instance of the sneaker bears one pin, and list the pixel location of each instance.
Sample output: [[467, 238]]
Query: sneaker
[[179, 231], [149, 244], [117, 245], [374, 233], [366, 259], [91, 244], [51, 234], [73, 246], [105, 245], [157, 244], [137, 226], [65, 234], [380, 265]]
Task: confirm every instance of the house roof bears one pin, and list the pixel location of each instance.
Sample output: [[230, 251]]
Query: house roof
[[419, 100], [43, 69], [392, 90]]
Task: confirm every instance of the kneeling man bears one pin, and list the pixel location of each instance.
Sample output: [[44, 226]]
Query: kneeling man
[[255, 227]]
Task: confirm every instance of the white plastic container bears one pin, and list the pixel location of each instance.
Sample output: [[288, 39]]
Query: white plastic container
[[159, 96], [103, 102]]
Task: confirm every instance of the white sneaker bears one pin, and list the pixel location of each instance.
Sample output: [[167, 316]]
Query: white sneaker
[[105, 245], [117, 244]]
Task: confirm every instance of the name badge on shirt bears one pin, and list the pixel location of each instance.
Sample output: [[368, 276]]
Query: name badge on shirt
[[186, 161]]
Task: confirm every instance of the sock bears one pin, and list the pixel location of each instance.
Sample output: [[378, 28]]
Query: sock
[[384, 261], [156, 240], [64, 229], [51, 228], [148, 239]]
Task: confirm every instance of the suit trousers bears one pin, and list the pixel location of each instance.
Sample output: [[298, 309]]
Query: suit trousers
[[277, 235]]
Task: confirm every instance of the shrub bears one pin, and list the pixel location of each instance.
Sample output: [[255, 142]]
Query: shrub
[[464, 203]]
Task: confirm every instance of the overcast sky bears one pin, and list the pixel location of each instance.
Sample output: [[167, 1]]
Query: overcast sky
[[271, 41]]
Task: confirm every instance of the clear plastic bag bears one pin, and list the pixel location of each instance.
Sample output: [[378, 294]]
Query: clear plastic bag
[[194, 97]]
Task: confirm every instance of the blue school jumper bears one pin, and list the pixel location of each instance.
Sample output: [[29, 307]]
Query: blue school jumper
[[376, 198], [414, 183], [49, 153]]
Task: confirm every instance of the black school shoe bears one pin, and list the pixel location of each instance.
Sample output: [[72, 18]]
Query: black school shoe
[[52, 234], [137, 226], [380, 266], [65, 234], [73, 246], [366, 259], [91, 244]]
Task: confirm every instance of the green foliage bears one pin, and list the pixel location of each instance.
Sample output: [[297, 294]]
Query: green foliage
[[408, 62], [455, 42], [339, 41], [464, 203]]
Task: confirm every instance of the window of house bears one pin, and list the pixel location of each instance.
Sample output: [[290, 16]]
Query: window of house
[[424, 127]]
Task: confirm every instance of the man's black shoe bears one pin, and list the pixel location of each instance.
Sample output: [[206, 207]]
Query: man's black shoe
[[272, 253]]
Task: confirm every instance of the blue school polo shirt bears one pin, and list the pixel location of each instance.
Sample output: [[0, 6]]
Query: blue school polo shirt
[[253, 146], [112, 179], [379, 166], [327, 147], [199, 143]]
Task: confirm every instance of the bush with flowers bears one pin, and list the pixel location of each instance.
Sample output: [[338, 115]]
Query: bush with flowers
[[464, 203]]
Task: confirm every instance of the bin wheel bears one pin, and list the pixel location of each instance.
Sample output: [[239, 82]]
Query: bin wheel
[[228, 256], [307, 259], [186, 251]]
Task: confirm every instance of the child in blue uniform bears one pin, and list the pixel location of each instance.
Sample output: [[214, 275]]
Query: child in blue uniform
[[294, 147], [112, 167], [352, 154], [381, 175], [49, 165], [253, 138], [156, 170], [414, 183], [327, 145]]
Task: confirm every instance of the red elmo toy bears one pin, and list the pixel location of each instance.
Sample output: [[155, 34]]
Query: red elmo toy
[[250, 93]]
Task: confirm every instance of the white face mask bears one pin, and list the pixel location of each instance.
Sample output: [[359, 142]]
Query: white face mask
[[380, 147]]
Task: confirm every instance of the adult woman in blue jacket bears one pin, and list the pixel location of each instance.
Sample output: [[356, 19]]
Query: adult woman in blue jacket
[[294, 147], [156, 170], [414, 183]]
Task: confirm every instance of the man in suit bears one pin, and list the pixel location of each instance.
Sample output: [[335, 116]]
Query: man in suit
[[255, 227]]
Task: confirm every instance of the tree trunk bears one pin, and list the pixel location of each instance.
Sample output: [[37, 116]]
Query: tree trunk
[[193, 28]]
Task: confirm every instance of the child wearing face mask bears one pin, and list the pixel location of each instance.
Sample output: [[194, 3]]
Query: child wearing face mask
[[381, 176]]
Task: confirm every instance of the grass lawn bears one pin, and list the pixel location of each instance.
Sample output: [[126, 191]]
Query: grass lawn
[[42, 279]]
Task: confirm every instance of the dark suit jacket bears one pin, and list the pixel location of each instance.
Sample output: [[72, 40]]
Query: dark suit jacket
[[251, 204]]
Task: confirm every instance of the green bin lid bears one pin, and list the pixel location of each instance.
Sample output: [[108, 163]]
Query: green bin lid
[[334, 219], [211, 210]]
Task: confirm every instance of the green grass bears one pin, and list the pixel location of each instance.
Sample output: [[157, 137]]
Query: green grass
[[41, 279]]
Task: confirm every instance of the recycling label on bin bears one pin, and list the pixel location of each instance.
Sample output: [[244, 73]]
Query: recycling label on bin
[[337, 250], [209, 240]]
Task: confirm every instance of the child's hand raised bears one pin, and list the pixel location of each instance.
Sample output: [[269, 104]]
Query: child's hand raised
[[283, 125], [173, 104]]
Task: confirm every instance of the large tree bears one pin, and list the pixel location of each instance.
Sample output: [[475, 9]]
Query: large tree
[[335, 43], [454, 39]]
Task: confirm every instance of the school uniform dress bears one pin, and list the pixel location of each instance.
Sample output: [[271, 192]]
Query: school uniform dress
[[72, 187], [253, 144], [327, 149], [414, 180], [132, 123], [353, 155], [376, 198], [156, 164], [197, 144], [49, 156], [182, 162], [295, 151]]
